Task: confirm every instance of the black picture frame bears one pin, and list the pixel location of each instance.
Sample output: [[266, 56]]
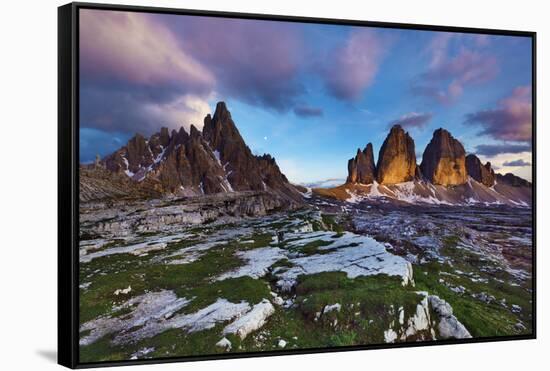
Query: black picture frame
[[68, 179]]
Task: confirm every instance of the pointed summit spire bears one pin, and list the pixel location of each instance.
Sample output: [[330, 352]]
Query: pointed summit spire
[[164, 136], [194, 132], [221, 113], [397, 158], [361, 169], [444, 160]]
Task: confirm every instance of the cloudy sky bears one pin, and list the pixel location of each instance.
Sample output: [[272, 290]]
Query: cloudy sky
[[308, 94]]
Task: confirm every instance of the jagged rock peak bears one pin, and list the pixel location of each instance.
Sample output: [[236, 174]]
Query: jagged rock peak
[[444, 160], [221, 112], [482, 173], [223, 136], [220, 130], [270, 171], [137, 140], [164, 136], [182, 136], [361, 168], [193, 132], [173, 133], [137, 153], [266, 157], [397, 158], [190, 162]]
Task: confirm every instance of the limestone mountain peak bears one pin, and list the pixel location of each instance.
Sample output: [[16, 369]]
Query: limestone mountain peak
[[397, 158], [361, 168], [481, 173], [444, 160], [212, 161]]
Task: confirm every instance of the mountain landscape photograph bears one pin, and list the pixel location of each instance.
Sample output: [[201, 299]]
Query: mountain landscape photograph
[[250, 186]]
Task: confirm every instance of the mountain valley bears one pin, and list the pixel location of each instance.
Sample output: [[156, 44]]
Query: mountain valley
[[190, 244]]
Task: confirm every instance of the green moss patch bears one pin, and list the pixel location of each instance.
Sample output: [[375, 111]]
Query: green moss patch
[[480, 318], [233, 289]]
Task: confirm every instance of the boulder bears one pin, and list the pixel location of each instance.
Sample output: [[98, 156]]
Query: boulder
[[448, 326], [224, 343], [251, 321]]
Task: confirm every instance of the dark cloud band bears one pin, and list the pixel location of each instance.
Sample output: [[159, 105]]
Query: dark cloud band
[[497, 149], [517, 163], [308, 111]]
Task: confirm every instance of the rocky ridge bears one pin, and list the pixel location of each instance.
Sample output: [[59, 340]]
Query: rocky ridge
[[444, 162], [182, 164], [513, 180], [445, 176]]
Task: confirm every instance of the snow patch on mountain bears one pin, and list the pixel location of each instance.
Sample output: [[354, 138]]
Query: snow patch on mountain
[[423, 192]]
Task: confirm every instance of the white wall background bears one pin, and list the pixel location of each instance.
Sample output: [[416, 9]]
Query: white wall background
[[28, 155]]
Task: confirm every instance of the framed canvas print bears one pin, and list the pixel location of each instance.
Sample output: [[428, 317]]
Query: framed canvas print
[[236, 185]]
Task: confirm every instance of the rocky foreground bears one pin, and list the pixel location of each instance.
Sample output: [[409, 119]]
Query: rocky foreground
[[176, 278], [192, 245]]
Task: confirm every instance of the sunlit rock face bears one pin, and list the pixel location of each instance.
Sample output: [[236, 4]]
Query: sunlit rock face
[[397, 159], [482, 173], [444, 160], [361, 168]]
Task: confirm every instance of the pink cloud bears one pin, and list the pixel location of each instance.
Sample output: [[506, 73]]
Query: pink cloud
[[482, 40], [143, 70], [491, 150], [134, 48], [353, 66], [438, 48], [255, 61], [512, 120], [449, 74], [466, 67]]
